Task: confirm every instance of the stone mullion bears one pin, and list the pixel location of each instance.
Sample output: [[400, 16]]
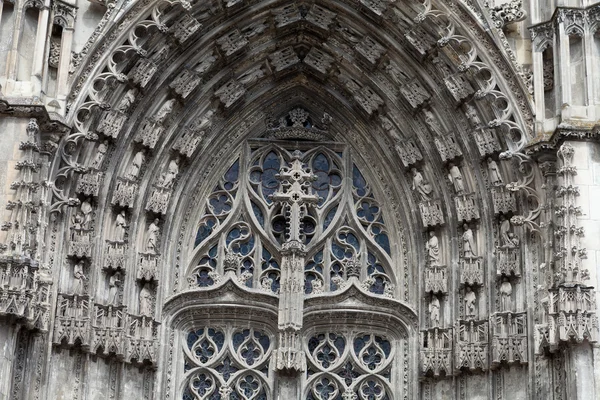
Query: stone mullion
[[13, 54], [39, 54]]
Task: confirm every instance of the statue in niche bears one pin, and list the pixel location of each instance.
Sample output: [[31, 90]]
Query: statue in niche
[[76, 223], [456, 178], [422, 187], [136, 164], [470, 299], [146, 300], [395, 73], [127, 100], [434, 311], [389, 127], [317, 286], [508, 240], [168, 178], [388, 289], [505, 295], [205, 64], [120, 227], [266, 283], [86, 211], [80, 278], [252, 75], [152, 237], [100, 153], [205, 122], [494, 172], [433, 249], [472, 115], [468, 243], [164, 111], [432, 122], [114, 282]]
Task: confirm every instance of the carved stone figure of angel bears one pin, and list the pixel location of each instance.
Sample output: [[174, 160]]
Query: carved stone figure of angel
[[120, 227], [86, 210], [422, 187], [146, 300], [136, 164], [100, 154], [434, 311], [266, 283], [164, 111], [152, 237], [79, 277], [494, 172], [205, 122], [114, 282], [505, 295], [470, 299], [433, 249], [389, 127], [205, 64], [395, 73], [433, 123], [168, 178], [76, 224], [251, 76], [127, 100], [468, 242], [456, 178]]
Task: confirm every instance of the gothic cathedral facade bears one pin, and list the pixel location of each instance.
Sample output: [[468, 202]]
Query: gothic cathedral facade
[[299, 200]]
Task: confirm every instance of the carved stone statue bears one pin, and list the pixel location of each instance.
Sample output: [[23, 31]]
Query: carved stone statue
[[494, 172], [152, 237], [389, 127], [120, 227], [136, 164], [434, 311], [86, 211], [505, 240], [317, 286], [100, 154], [433, 249], [114, 282], [146, 300], [472, 115], [251, 76], [127, 100], [421, 186], [76, 223], [79, 277], [395, 73], [456, 178], [164, 111], [505, 295], [205, 122], [433, 123], [468, 243], [168, 178], [469, 300]]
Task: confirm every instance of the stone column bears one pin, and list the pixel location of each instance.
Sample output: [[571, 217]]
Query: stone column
[[39, 53]]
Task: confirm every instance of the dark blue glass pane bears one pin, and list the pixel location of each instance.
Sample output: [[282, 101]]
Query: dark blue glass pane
[[203, 279], [329, 217], [258, 214], [385, 345], [359, 182], [384, 241], [272, 161], [321, 163], [204, 231], [232, 175], [220, 204], [338, 251]]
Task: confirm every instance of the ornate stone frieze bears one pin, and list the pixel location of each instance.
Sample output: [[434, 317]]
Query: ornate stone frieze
[[284, 58], [420, 40], [185, 27], [370, 50], [447, 147], [504, 200], [81, 322], [486, 140], [414, 93], [24, 293], [114, 257], [158, 201], [471, 346], [147, 268], [286, 15], [466, 207], [431, 213], [230, 92], [409, 153], [509, 338], [436, 352], [436, 279], [111, 123], [124, 193], [232, 43], [89, 183], [320, 16], [185, 83], [368, 99], [149, 133], [319, 60]]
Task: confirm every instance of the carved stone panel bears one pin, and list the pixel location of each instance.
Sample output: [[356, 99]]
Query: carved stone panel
[[431, 213], [509, 338], [466, 207], [125, 193], [436, 352], [472, 348]]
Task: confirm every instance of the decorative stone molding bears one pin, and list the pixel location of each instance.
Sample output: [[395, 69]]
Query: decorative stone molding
[[471, 271], [436, 352], [436, 279], [509, 338], [114, 258], [466, 207], [471, 346], [431, 213], [508, 13], [124, 193]]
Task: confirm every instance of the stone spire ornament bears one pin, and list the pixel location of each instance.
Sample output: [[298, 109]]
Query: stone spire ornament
[[295, 196]]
